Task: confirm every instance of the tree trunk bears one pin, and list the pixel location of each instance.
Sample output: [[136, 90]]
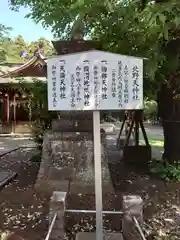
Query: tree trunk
[[169, 112]]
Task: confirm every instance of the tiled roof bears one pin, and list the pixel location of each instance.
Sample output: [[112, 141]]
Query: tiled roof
[[11, 74]]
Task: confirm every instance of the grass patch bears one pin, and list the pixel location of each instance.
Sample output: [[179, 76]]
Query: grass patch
[[156, 143]]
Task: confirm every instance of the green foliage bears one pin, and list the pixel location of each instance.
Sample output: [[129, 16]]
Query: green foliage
[[150, 109], [4, 31], [44, 44], [139, 28], [39, 103], [166, 171], [10, 48], [123, 27]]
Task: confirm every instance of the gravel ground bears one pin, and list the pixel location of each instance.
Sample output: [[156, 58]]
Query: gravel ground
[[22, 211]]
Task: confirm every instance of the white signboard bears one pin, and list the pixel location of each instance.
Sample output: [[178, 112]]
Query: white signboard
[[95, 80]]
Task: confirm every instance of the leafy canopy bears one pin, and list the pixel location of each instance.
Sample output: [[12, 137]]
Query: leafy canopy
[[133, 27], [11, 48]]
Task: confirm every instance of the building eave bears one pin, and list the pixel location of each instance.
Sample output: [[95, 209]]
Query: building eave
[[35, 67]]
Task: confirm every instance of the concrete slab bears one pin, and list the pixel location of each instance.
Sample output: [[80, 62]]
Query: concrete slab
[[47, 187], [92, 236], [109, 128], [8, 144], [6, 177], [80, 187], [63, 173]]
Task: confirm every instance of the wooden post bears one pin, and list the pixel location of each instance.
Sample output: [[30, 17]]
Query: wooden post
[[15, 108], [7, 107], [121, 130], [129, 133], [136, 129], [30, 109]]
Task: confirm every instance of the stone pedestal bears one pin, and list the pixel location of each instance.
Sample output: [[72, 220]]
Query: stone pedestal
[[57, 206], [67, 160], [92, 236], [57, 165], [132, 207]]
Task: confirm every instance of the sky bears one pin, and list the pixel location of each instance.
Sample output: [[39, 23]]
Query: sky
[[22, 26]]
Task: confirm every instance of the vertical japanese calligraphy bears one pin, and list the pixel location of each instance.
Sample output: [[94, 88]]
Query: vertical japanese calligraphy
[[120, 85], [126, 85], [96, 86], [54, 85], [78, 84], [73, 94], [104, 79], [86, 83], [135, 86], [95, 80], [113, 86], [62, 80]]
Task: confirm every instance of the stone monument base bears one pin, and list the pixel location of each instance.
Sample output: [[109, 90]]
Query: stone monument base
[[92, 236], [47, 187], [68, 159], [79, 187]]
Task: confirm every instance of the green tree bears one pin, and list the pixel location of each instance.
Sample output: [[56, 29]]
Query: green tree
[[4, 32], [42, 43], [20, 44], [39, 107], [143, 28]]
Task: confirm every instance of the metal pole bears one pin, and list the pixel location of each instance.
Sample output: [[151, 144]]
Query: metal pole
[[98, 180], [139, 228], [51, 226], [92, 211]]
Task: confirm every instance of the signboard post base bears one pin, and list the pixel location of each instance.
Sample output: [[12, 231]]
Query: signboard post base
[[98, 178]]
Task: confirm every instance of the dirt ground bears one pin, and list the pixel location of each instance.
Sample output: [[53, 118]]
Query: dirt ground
[[24, 212], [161, 204]]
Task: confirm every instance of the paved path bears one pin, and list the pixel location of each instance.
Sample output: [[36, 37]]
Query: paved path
[[153, 132], [9, 143]]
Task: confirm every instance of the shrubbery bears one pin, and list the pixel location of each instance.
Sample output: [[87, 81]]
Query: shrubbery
[[150, 109], [169, 172], [39, 106]]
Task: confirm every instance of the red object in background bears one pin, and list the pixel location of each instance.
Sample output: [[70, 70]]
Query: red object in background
[[7, 107], [14, 107]]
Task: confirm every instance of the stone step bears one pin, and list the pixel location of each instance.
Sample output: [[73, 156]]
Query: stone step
[[6, 177], [92, 236]]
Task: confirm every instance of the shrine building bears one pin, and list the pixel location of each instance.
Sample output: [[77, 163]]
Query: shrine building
[[15, 106]]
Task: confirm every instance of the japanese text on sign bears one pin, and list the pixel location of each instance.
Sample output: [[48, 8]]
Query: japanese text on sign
[[54, 85], [96, 87], [120, 85], [86, 83], [62, 80], [95, 80], [104, 80], [78, 81], [135, 88]]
